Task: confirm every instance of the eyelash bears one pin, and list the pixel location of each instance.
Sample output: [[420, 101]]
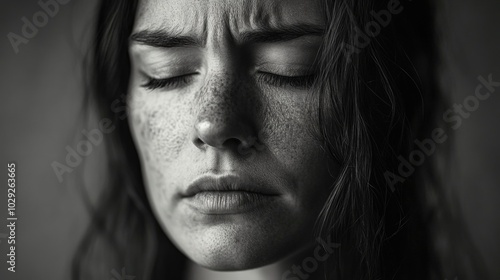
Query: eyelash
[[174, 82], [298, 82]]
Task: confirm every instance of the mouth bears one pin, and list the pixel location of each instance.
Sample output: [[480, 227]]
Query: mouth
[[228, 194]]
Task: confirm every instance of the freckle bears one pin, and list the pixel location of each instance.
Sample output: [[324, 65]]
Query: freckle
[[167, 131], [152, 128]]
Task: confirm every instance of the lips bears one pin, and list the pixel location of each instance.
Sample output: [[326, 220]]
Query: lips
[[228, 183], [227, 194]]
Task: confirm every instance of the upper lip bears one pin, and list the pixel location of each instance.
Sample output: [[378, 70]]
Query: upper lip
[[222, 183]]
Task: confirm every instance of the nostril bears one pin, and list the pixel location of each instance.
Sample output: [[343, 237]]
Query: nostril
[[245, 147], [223, 136], [232, 143], [198, 142]]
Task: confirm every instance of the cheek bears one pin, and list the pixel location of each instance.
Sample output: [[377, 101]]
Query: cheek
[[160, 128], [288, 130], [160, 132]]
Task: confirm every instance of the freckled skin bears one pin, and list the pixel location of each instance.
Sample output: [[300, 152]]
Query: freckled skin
[[183, 133]]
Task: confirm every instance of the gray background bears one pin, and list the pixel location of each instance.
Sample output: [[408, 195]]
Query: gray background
[[41, 96]]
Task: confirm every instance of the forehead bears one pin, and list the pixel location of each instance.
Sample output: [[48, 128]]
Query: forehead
[[236, 16]]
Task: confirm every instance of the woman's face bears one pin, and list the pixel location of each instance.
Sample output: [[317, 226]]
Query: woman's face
[[219, 102]]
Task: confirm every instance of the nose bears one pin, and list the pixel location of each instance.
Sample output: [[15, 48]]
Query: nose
[[225, 116], [224, 134]]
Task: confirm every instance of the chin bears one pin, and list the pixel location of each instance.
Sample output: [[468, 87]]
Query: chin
[[236, 255], [239, 246]]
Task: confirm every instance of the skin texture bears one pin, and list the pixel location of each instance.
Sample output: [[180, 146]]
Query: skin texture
[[227, 118]]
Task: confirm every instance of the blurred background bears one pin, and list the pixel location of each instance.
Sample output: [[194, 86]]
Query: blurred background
[[41, 97]]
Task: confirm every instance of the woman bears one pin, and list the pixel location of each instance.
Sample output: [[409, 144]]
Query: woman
[[263, 140]]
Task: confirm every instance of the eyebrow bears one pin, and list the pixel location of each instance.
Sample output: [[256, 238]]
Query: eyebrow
[[163, 39], [281, 34]]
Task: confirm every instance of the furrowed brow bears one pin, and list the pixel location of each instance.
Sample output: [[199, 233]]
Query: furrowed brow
[[281, 34], [162, 39]]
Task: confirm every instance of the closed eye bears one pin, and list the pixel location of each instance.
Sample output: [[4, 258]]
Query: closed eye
[[168, 83], [296, 82]]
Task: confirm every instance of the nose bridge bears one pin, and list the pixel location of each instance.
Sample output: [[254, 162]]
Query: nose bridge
[[222, 94], [223, 119], [221, 97]]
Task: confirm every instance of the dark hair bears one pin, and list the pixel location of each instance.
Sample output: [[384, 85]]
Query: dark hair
[[374, 101]]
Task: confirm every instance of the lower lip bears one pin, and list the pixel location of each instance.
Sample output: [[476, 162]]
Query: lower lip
[[227, 202]]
